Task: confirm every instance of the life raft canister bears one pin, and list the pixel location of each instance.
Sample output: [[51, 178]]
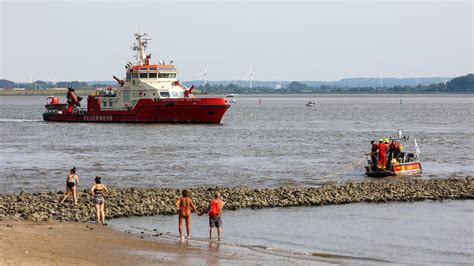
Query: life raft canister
[[55, 100]]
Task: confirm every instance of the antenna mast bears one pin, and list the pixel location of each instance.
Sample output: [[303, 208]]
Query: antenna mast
[[140, 47]]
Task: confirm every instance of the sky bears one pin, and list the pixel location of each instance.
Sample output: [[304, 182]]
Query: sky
[[293, 40]]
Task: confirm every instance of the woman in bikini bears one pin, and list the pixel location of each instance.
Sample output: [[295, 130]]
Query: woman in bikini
[[71, 182], [98, 190], [185, 205]]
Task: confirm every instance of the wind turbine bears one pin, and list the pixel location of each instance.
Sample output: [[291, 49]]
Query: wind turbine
[[250, 77], [278, 86], [54, 82], [204, 74], [32, 82], [444, 82]]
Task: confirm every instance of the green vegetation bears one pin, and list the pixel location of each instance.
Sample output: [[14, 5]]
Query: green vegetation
[[464, 84]]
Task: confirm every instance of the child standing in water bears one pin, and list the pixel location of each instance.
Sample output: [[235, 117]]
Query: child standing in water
[[185, 205], [215, 211]]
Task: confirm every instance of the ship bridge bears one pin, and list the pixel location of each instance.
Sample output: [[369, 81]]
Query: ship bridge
[[162, 72]]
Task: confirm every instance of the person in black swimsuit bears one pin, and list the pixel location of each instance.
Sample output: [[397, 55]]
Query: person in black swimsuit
[[71, 182], [98, 190]]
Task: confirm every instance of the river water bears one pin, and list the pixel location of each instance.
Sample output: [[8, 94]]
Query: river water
[[415, 233], [279, 141]]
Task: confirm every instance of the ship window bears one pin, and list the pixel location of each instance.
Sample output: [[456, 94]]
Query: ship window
[[134, 75], [175, 94], [110, 104], [105, 104], [143, 68], [143, 75], [152, 75], [164, 94], [152, 68], [167, 75], [129, 76]]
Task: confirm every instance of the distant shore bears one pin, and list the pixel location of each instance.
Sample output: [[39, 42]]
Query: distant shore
[[52, 92], [126, 202], [62, 92]]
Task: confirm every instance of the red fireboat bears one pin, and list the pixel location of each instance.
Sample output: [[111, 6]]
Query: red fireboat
[[150, 93]]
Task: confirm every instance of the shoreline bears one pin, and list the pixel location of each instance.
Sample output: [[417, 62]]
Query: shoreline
[[27, 242], [127, 202], [87, 91]]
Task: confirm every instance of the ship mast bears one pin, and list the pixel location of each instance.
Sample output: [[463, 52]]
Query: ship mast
[[140, 47]]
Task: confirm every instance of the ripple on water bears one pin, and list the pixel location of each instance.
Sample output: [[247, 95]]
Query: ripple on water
[[277, 143]]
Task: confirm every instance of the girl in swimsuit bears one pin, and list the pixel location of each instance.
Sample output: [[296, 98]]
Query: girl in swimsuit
[[98, 190], [71, 182], [185, 205]]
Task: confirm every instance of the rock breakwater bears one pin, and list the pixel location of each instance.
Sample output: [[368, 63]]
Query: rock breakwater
[[125, 202]]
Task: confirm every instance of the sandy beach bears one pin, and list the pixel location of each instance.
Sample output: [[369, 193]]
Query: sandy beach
[[76, 243], [64, 243]]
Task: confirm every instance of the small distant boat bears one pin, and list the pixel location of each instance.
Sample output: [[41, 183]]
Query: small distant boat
[[310, 103], [233, 100], [406, 163], [230, 95]]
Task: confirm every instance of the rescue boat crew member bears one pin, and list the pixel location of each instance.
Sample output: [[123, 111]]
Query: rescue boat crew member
[[373, 155], [382, 154], [391, 153]]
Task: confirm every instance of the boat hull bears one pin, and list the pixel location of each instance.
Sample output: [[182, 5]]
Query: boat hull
[[183, 110], [404, 169]]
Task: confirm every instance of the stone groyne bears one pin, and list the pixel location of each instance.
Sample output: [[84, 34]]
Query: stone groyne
[[125, 202]]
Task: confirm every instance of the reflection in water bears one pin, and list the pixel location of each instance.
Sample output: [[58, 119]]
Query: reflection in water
[[213, 250]]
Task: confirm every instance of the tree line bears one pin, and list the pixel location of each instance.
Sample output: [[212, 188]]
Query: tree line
[[463, 84]]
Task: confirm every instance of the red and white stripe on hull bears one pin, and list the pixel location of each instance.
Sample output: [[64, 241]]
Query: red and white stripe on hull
[[172, 110], [407, 168]]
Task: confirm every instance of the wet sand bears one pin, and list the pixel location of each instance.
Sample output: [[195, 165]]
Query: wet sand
[[63, 243]]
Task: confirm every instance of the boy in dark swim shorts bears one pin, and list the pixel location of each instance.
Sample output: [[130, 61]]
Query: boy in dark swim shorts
[[215, 222], [215, 212]]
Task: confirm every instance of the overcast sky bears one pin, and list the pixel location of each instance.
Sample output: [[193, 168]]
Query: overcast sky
[[295, 40]]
